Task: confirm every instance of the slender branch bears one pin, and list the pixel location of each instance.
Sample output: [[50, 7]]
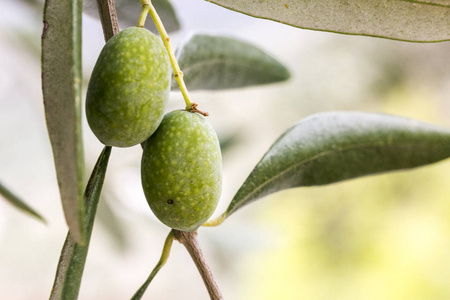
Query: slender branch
[[108, 17], [166, 41], [189, 241]]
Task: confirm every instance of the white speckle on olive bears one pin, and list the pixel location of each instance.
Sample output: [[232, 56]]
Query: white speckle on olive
[[190, 172], [126, 96]]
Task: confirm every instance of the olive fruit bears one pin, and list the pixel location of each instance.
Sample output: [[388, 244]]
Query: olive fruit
[[129, 88], [181, 170]]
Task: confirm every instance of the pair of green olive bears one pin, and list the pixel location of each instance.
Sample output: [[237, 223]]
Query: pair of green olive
[[181, 166]]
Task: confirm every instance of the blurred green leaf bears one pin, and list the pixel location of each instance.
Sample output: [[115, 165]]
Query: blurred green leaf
[[128, 12], [73, 255], [331, 147], [218, 62], [407, 20], [36, 4], [61, 85], [19, 203], [109, 219], [228, 140]]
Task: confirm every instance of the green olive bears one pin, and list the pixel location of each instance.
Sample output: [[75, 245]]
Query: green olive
[[129, 88], [181, 170]]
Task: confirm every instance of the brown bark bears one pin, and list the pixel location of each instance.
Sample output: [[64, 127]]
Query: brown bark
[[188, 239], [108, 17]]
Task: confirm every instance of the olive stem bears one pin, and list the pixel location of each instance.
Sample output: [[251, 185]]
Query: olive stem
[[162, 261], [178, 74], [143, 17], [189, 241]]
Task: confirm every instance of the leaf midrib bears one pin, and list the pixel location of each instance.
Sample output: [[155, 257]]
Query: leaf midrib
[[201, 64], [308, 160]]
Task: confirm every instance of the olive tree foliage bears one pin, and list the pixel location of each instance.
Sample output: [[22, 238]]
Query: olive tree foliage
[[322, 149]]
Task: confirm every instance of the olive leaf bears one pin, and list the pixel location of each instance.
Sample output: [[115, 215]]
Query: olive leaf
[[61, 86], [407, 20], [128, 12], [18, 203], [219, 62], [110, 221], [73, 255], [331, 147]]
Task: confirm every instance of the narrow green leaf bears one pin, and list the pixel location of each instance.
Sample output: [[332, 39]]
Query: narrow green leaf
[[218, 62], [162, 261], [128, 12], [19, 203], [73, 255], [61, 85], [407, 20], [331, 147]]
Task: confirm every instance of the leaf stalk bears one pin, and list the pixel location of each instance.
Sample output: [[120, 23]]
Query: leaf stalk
[[217, 221]]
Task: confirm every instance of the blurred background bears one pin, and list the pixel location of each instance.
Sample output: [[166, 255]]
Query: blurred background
[[380, 237]]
